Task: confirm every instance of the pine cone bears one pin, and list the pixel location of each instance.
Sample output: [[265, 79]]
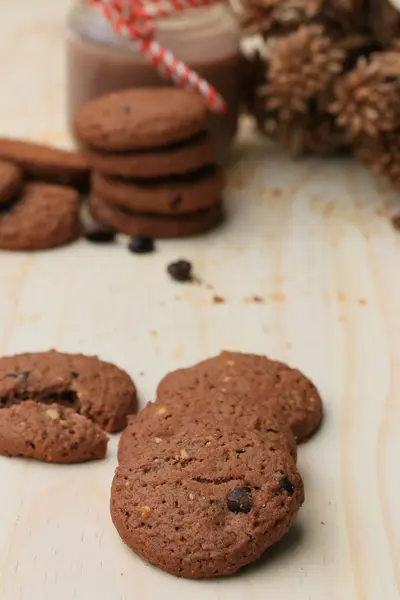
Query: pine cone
[[384, 21], [301, 65], [366, 102], [348, 15], [277, 17]]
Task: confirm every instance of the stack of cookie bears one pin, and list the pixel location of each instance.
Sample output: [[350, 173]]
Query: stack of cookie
[[155, 174], [39, 195], [207, 476]]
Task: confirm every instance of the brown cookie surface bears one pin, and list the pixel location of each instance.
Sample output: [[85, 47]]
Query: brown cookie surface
[[46, 163], [140, 118], [50, 433], [290, 395], [170, 197], [98, 390], [159, 162], [201, 412], [43, 216], [206, 504], [10, 181], [155, 226]]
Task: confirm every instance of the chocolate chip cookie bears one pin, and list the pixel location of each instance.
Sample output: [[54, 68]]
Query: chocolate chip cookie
[[97, 390], [201, 412], [291, 396], [174, 196], [46, 163], [206, 504], [177, 159], [140, 118], [43, 216], [50, 433], [148, 225], [10, 181]]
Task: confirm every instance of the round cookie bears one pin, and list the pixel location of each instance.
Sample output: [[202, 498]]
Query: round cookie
[[50, 433], [98, 390], [140, 118], [202, 412], [165, 198], [290, 395], [44, 216], [10, 181], [155, 226], [160, 162], [206, 504], [46, 163]]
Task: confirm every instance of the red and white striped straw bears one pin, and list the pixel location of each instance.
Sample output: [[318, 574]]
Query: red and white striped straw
[[135, 20]]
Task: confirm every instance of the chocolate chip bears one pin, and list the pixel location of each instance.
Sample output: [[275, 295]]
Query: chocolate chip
[[176, 202], [286, 485], [100, 235], [7, 206], [180, 271], [239, 500], [141, 245]]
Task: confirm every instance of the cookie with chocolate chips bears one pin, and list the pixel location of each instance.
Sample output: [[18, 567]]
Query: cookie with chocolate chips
[[10, 181], [50, 433], [204, 504], [202, 411], [289, 394], [140, 118], [43, 216], [100, 391]]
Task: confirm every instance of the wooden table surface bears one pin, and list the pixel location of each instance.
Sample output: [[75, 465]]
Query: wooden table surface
[[313, 239]]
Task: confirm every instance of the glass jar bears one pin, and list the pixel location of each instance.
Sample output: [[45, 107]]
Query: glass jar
[[207, 39]]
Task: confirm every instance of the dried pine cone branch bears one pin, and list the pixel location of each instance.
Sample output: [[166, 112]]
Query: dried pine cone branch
[[366, 100], [277, 17], [301, 65]]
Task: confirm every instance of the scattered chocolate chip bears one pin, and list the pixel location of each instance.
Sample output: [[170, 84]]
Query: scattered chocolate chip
[[286, 485], [100, 235], [176, 202], [218, 299], [239, 500], [141, 245], [180, 270]]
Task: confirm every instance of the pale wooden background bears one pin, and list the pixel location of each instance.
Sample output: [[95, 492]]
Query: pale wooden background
[[313, 238]]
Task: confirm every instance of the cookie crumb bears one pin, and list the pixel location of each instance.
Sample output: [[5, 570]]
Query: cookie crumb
[[141, 245], [218, 299], [322, 523], [362, 302], [258, 299], [181, 271]]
